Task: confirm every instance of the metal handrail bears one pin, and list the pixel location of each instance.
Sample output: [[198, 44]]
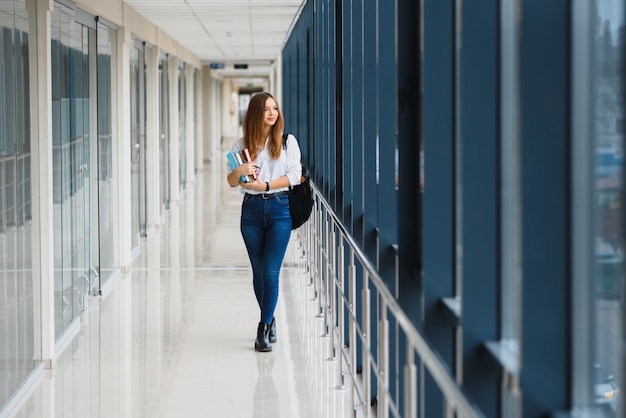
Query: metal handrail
[[326, 257]]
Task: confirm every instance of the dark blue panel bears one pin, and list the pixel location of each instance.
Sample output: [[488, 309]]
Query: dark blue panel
[[545, 95], [370, 134], [408, 170], [345, 116], [387, 130], [331, 75], [409, 138], [437, 203], [388, 222], [320, 122], [310, 97], [479, 82], [370, 129], [357, 120], [353, 119]]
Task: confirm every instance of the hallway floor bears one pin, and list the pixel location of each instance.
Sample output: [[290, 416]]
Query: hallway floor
[[174, 336]]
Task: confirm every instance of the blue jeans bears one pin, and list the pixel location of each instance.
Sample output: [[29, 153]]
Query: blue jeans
[[266, 229]]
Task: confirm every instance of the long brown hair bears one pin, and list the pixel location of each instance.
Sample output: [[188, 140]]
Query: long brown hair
[[254, 128]]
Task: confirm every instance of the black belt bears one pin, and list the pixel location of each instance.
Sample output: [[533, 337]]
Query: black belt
[[266, 196]]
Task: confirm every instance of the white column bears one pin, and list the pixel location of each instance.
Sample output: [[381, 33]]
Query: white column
[[121, 152], [230, 117], [42, 193], [207, 115], [217, 112], [212, 113], [152, 138], [199, 133], [276, 79], [190, 128], [174, 144]]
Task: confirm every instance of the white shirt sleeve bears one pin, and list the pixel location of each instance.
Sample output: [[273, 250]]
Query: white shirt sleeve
[[294, 168]]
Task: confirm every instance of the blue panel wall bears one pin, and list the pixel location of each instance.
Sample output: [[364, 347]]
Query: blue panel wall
[[386, 84], [545, 84], [437, 217], [479, 135]]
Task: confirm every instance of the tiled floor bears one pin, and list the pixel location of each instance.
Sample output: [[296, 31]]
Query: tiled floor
[[174, 337]]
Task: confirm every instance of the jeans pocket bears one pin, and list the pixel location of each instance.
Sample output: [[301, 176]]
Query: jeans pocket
[[283, 200]]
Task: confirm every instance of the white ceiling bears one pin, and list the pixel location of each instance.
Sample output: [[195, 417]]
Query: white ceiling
[[226, 31]]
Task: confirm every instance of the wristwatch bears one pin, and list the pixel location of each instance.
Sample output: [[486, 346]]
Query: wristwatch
[[267, 186]]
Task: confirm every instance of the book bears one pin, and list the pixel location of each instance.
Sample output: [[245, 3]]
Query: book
[[246, 155], [235, 159]]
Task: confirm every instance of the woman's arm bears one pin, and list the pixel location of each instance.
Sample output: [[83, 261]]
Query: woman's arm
[[279, 183], [233, 178], [243, 169]]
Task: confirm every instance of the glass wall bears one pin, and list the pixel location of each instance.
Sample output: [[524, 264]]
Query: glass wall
[[107, 198], [19, 339], [182, 123], [164, 132], [138, 140], [607, 143], [72, 102]]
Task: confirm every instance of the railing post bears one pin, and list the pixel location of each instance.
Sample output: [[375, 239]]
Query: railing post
[[331, 313], [326, 281], [340, 305], [365, 347], [340, 310], [410, 384], [383, 360], [319, 248], [309, 246], [352, 319]]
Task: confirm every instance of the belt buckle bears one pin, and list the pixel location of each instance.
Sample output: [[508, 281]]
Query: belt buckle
[[266, 196]]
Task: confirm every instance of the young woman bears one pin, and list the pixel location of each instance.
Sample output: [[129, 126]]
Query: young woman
[[265, 219]]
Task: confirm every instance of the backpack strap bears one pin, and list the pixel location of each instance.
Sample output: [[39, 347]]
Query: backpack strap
[[285, 135]]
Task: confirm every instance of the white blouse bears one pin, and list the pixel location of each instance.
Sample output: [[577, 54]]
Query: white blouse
[[287, 164]]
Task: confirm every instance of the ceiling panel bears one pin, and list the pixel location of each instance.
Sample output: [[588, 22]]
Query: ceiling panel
[[224, 30]]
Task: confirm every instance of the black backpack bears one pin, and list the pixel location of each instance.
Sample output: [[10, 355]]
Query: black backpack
[[300, 196]]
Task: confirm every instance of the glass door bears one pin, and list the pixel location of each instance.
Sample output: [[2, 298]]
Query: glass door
[[138, 141], [164, 126], [107, 198], [72, 68], [20, 342]]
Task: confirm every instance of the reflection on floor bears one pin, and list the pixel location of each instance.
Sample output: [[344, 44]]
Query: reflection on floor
[[174, 336]]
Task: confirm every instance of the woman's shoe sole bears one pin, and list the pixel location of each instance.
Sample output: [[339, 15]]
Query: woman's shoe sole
[[265, 350]]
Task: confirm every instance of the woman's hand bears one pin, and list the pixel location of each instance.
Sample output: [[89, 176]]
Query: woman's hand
[[246, 169]]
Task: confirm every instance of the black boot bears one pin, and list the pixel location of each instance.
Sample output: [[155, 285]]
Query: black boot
[[262, 338], [273, 331]]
